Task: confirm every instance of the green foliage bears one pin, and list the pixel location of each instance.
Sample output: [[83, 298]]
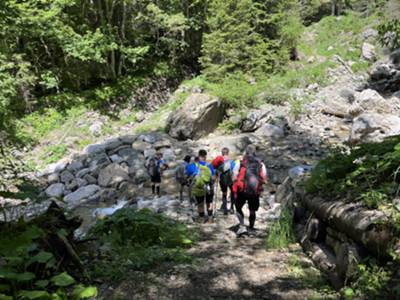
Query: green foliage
[[368, 172], [140, 240], [389, 28], [66, 46], [372, 281], [280, 234], [27, 271], [54, 153], [248, 36]]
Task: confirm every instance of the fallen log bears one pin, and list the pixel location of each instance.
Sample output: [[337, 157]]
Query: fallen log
[[368, 227]]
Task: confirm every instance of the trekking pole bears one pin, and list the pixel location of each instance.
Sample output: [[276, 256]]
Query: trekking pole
[[215, 198]]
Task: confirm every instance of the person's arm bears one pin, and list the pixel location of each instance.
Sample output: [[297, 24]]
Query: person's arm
[[263, 173], [235, 172]]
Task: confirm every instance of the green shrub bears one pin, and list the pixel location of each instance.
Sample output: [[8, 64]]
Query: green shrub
[[54, 153], [368, 172], [29, 271], [372, 281], [140, 240]]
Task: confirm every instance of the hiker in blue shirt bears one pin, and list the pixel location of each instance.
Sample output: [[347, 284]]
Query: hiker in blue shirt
[[202, 175]]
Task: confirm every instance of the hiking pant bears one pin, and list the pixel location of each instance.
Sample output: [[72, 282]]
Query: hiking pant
[[224, 189], [253, 202]]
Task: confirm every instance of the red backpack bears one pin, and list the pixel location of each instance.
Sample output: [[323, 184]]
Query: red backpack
[[250, 180]]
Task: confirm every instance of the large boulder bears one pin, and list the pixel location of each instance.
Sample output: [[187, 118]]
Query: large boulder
[[55, 190], [373, 127], [199, 115], [83, 193], [270, 131], [370, 101], [112, 175]]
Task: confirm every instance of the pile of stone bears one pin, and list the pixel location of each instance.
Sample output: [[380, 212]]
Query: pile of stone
[[107, 170]]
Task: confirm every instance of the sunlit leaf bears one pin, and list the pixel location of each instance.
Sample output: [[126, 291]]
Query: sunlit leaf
[[63, 279]]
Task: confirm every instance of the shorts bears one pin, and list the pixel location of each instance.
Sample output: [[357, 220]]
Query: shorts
[[208, 198], [253, 201], [156, 178]]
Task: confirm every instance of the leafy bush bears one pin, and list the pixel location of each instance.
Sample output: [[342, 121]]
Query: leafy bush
[[372, 281], [280, 234], [369, 170], [28, 271], [139, 240]]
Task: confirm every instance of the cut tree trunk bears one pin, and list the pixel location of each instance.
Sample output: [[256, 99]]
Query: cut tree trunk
[[367, 227]]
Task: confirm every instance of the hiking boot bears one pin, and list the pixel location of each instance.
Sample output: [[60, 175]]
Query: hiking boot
[[242, 230], [252, 231]]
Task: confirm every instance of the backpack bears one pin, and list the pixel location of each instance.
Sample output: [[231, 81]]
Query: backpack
[[225, 171], [152, 167], [249, 179], [217, 162], [180, 173], [201, 185]]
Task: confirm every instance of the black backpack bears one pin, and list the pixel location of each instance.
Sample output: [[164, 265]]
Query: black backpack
[[152, 168], [252, 176]]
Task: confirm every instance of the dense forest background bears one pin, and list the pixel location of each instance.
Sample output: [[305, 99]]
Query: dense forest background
[[55, 53]]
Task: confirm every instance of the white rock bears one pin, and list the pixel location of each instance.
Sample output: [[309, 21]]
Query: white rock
[[368, 52], [373, 127], [55, 190], [93, 149], [75, 166], [80, 194], [112, 175], [148, 138], [95, 128], [269, 130], [116, 158], [66, 176], [56, 167], [52, 178]]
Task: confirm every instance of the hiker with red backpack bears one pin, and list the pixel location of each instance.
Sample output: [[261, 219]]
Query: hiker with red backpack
[[224, 167], [202, 182], [249, 176]]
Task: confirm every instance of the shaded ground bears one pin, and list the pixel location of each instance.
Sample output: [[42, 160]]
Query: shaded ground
[[225, 267]]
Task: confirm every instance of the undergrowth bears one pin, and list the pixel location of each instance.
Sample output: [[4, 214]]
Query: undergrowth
[[368, 172], [139, 240], [280, 234], [29, 270]]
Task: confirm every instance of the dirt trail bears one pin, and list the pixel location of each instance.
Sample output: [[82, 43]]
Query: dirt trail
[[226, 267]]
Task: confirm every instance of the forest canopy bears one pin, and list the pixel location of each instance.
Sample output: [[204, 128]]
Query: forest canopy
[[54, 47]]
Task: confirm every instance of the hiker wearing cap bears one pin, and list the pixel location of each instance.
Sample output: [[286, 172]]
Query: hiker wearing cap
[[202, 178], [155, 166], [248, 176], [224, 167], [181, 177]]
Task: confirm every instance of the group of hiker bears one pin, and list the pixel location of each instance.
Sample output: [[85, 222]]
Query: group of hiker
[[242, 179]]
